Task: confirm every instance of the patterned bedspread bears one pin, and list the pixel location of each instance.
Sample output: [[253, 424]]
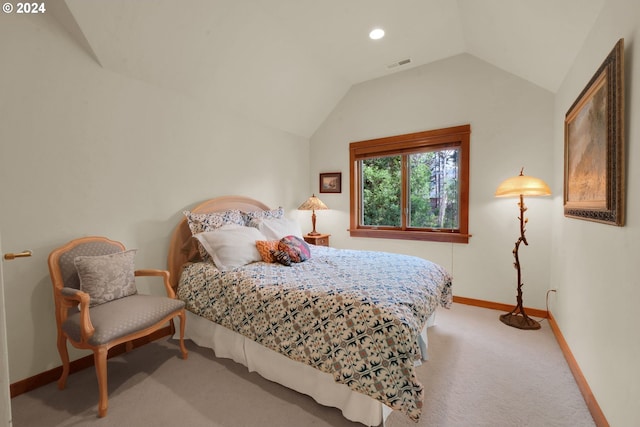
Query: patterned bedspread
[[353, 314]]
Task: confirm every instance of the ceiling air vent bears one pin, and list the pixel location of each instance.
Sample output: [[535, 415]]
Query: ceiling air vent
[[399, 63]]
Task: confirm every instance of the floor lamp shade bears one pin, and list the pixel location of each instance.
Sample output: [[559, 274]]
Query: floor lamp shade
[[520, 186]]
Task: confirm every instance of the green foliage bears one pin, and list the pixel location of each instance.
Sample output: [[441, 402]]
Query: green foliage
[[433, 190], [382, 180]]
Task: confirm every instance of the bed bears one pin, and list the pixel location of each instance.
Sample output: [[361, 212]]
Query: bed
[[345, 327]]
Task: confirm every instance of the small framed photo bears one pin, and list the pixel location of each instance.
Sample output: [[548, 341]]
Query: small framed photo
[[331, 182]]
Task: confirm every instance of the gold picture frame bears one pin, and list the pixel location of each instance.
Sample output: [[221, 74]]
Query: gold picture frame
[[594, 146]]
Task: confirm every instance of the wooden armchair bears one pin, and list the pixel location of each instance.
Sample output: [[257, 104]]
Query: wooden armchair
[[98, 307]]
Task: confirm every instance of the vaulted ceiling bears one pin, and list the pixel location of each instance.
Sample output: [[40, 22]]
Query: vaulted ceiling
[[287, 63]]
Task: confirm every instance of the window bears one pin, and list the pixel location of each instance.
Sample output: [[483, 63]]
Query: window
[[413, 186]]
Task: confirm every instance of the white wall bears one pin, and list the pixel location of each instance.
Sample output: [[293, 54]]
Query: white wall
[[595, 266], [86, 151], [511, 126]]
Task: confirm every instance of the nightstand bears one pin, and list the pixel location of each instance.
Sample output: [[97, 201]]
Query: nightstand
[[319, 240]]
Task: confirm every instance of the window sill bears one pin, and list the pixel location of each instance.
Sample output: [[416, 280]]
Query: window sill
[[430, 236]]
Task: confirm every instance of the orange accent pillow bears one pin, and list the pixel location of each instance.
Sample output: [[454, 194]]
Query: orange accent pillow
[[265, 247]]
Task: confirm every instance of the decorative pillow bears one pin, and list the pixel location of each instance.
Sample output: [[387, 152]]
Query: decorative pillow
[[295, 247], [199, 223], [265, 247], [271, 213], [231, 246], [281, 257], [277, 228], [107, 277], [191, 250]]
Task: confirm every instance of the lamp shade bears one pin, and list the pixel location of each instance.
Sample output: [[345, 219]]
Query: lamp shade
[[522, 185], [312, 204]]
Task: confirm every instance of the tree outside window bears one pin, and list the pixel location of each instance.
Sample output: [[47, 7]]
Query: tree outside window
[[412, 186]]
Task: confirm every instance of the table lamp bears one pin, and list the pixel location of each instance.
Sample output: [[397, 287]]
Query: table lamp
[[313, 204]]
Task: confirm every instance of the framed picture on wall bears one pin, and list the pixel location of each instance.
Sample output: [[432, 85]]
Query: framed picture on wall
[[594, 146], [331, 182]]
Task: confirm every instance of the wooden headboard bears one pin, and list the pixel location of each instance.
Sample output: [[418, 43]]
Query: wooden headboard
[[182, 234]]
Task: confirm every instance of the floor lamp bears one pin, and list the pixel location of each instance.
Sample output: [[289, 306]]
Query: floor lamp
[[520, 186]]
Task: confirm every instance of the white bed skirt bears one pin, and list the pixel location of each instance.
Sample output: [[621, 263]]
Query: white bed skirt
[[291, 374]]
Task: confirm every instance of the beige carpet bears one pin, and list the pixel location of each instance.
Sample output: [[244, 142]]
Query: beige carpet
[[480, 373]]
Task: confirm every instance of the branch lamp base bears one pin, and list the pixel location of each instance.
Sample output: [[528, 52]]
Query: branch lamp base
[[519, 321]]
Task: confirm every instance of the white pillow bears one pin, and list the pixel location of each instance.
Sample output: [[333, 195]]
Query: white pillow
[[277, 228], [231, 246]]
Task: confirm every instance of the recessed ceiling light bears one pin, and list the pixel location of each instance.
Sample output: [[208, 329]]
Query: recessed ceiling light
[[376, 34]]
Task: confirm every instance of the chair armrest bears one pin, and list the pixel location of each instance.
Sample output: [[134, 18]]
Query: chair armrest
[[71, 297], [72, 293], [160, 273]]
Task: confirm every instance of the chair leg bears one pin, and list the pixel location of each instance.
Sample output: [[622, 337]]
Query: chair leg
[[100, 360], [183, 320], [64, 357], [172, 327]]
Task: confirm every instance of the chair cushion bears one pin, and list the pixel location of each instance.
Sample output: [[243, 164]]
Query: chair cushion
[[107, 277], [121, 317]]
